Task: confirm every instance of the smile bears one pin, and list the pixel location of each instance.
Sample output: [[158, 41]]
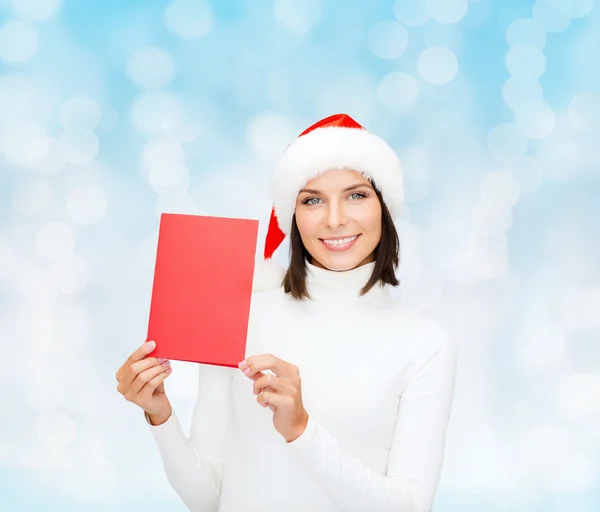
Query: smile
[[339, 244]]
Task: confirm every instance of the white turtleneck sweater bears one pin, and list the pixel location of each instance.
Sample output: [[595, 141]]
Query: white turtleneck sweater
[[377, 383]]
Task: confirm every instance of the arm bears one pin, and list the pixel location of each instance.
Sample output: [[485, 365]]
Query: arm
[[194, 466], [417, 450]]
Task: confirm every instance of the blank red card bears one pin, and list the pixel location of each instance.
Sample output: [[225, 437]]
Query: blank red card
[[202, 288]]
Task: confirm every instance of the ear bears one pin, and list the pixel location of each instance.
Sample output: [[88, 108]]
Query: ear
[[268, 275]]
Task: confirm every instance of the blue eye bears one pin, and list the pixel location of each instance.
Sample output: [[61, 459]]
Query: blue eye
[[308, 201], [359, 194]]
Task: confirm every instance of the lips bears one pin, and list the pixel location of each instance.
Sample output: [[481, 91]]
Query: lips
[[336, 247]]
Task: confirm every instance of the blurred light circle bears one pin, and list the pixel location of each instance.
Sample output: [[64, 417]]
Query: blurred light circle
[[79, 146], [19, 96], [536, 120], [492, 218], [6, 260], [388, 39], [519, 91], [48, 156], [572, 8], [70, 275], [44, 395], [18, 42], [269, 133], [190, 19], [398, 90], [86, 205], [34, 286], [55, 429], [21, 142], [170, 178], [528, 172], [500, 187], [151, 68], [579, 308], [448, 36], [151, 112], [584, 111], [487, 255], [549, 18], [161, 151], [36, 9], [525, 31], [175, 203], [55, 240], [79, 113], [299, 16], [526, 61], [437, 65], [108, 120], [506, 143], [447, 11], [32, 195], [541, 346], [413, 13]]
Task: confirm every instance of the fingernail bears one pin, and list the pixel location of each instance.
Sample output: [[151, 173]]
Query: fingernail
[[246, 371], [161, 359], [243, 364], [166, 363], [152, 344]]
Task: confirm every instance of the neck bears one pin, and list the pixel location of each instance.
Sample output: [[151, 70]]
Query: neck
[[325, 285]]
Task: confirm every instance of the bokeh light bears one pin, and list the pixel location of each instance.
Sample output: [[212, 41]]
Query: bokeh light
[[447, 11], [299, 16], [412, 13], [398, 90], [506, 143], [388, 40], [189, 19], [437, 65], [86, 204], [36, 9], [19, 42], [151, 68]]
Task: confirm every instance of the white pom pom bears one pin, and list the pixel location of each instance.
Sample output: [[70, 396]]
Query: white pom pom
[[267, 275]]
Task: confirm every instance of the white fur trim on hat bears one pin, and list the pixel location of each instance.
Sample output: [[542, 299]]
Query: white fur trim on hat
[[268, 275], [329, 148]]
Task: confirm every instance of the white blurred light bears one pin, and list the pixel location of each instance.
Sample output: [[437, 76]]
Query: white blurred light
[[44, 394], [527, 172], [506, 143], [269, 133], [55, 429], [21, 142], [19, 97], [299, 16], [79, 146], [55, 240], [437, 65], [153, 111], [70, 275], [71, 338], [48, 156], [536, 120], [6, 260], [79, 113], [176, 203], [18, 42], [151, 68], [162, 151], [32, 195], [572, 8], [86, 205], [447, 11], [170, 178], [584, 111], [577, 396], [34, 286], [413, 13], [526, 61], [487, 255], [549, 18], [518, 92], [525, 31], [388, 40], [36, 9], [34, 331], [541, 346], [492, 218], [398, 90], [580, 308], [190, 19], [500, 188]]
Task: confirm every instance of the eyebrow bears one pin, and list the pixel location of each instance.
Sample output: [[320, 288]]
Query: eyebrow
[[347, 189]]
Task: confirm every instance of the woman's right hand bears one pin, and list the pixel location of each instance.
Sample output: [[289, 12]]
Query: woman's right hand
[[141, 381]]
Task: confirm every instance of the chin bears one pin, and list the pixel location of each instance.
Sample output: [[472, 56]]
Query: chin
[[340, 263]]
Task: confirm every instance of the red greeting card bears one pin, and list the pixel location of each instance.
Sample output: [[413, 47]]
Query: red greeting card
[[202, 288]]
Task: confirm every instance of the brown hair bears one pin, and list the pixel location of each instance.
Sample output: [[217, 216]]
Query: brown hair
[[386, 257]]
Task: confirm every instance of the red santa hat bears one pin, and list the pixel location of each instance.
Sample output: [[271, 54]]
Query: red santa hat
[[336, 142]]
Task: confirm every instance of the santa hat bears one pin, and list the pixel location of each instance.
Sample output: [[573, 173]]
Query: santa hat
[[336, 142]]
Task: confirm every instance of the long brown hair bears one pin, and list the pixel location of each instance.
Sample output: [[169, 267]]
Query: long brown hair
[[386, 257]]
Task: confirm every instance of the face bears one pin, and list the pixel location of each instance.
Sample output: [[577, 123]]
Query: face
[[339, 219]]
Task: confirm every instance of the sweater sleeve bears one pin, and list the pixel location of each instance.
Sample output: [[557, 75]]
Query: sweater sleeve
[[416, 453], [194, 465]]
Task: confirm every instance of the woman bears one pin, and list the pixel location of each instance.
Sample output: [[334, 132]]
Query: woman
[[356, 391]]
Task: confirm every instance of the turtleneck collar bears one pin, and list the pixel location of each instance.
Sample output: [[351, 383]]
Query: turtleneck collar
[[330, 285]]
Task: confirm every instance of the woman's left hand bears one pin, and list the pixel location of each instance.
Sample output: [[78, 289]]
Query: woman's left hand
[[280, 392]]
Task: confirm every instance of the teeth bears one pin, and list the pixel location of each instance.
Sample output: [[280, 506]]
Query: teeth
[[339, 242]]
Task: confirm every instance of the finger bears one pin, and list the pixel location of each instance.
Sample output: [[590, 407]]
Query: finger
[[265, 362], [129, 373], [153, 383], [268, 398], [274, 383], [141, 352], [146, 376]]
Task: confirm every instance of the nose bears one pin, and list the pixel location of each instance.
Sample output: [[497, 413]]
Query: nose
[[336, 215]]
